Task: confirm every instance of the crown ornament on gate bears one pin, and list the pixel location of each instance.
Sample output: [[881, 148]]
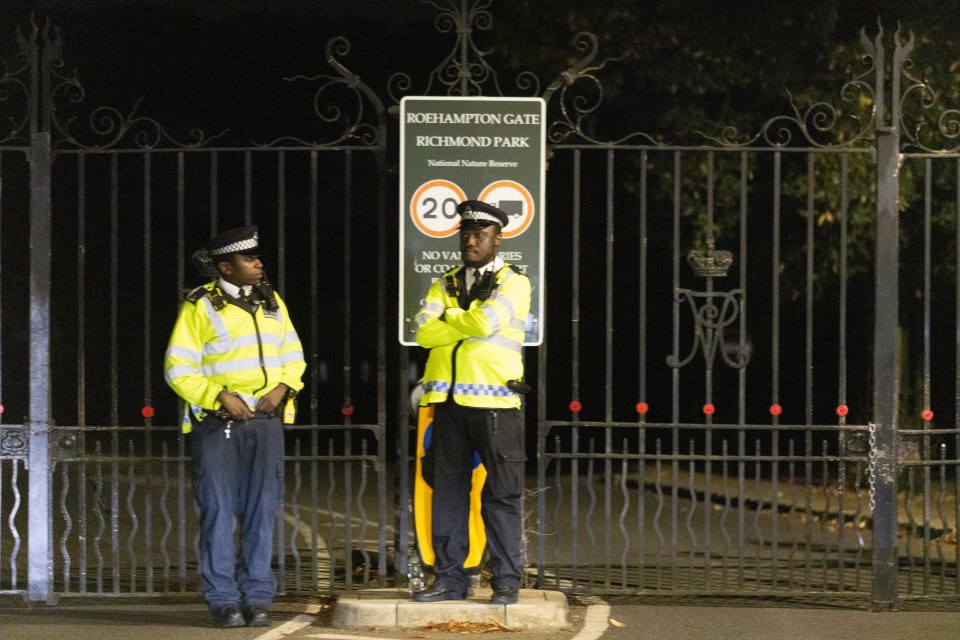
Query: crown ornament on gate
[[710, 263]]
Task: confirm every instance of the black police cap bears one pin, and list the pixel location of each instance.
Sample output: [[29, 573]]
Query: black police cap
[[244, 240], [476, 213]]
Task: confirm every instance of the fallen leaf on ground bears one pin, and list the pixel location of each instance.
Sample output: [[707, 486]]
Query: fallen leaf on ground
[[454, 626]]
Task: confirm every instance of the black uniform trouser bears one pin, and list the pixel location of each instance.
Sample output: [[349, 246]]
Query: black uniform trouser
[[237, 480], [497, 435]]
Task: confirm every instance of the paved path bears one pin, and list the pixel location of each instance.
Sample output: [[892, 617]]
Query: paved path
[[590, 619]]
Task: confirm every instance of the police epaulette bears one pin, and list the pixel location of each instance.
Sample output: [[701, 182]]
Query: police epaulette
[[196, 294], [216, 298]]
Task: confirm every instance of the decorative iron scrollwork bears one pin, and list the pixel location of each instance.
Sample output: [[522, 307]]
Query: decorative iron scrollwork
[[464, 70], [579, 93], [14, 89], [108, 127], [940, 135], [821, 124], [13, 442], [346, 128], [39, 83], [710, 321]]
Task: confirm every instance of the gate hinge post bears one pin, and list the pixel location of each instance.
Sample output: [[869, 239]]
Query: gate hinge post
[[886, 367], [40, 540]]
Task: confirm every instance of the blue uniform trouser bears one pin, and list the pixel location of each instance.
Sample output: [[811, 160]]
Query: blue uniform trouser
[[237, 480], [497, 435]]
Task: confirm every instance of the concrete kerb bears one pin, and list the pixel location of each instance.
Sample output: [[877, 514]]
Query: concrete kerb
[[535, 609]]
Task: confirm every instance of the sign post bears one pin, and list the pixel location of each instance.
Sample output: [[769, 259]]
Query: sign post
[[469, 148]]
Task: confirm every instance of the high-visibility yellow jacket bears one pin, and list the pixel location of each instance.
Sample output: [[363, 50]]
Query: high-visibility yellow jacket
[[474, 352], [229, 348]]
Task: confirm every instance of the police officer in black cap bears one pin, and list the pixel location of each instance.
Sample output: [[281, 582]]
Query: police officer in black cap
[[235, 359], [472, 321]]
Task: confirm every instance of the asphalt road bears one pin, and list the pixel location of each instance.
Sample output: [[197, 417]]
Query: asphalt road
[[591, 619]]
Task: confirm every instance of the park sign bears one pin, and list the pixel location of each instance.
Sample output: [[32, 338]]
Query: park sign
[[471, 148]]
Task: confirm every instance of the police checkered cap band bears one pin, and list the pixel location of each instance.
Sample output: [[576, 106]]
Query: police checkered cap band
[[483, 213], [240, 240], [235, 247], [472, 215]]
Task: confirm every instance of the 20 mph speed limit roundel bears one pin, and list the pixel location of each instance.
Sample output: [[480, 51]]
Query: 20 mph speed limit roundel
[[433, 208]]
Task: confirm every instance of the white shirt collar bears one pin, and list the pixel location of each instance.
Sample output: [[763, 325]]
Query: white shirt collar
[[494, 265], [232, 289]]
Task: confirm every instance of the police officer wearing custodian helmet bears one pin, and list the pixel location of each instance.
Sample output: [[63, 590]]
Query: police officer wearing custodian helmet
[[472, 321], [236, 360]]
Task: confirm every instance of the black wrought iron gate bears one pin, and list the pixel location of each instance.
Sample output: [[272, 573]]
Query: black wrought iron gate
[[720, 402]]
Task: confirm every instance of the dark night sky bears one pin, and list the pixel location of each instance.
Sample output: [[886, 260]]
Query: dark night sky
[[222, 63]]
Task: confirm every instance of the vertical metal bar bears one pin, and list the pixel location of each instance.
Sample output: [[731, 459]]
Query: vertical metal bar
[[611, 236], [346, 275], [708, 395], [642, 378], [98, 500], [148, 367], [132, 515], [14, 509], [742, 380], [575, 521], [82, 533], [808, 333], [624, 510], [775, 362], [675, 372], [675, 433], [542, 432], [313, 380], [463, 31], [842, 366], [347, 361], [956, 355], [926, 453], [792, 511], [911, 527], [607, 504], [40, 512], [575, 287], [744, 226], [382, 363], [312, 363], [808, 349], [608, 392], [886, 367], [724, 511], [114, 377], [32, 54], [642, 291], [181, 465], [1, 273]]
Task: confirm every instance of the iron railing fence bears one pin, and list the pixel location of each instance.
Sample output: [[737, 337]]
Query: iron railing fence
[[696, 433], [703, 427], [136, 216], [125, 520], [928, 438], [695, 509]]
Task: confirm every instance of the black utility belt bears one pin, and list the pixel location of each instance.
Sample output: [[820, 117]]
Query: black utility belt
[[223, 416]]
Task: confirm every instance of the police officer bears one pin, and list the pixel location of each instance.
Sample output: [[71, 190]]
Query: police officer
[[472, 321], [235, 359]]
